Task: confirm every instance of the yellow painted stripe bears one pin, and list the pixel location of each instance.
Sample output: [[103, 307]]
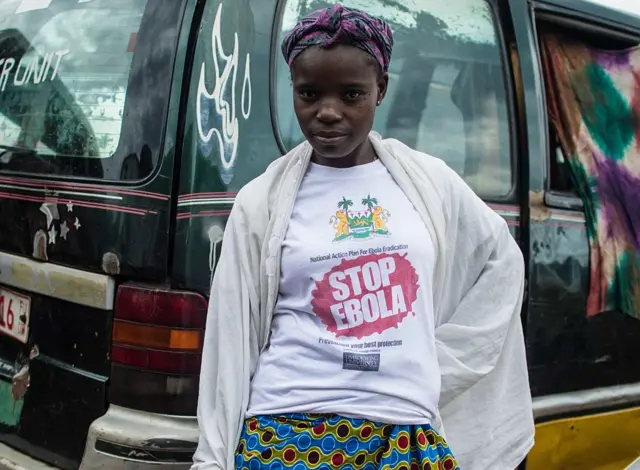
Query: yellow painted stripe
[[606, 441]]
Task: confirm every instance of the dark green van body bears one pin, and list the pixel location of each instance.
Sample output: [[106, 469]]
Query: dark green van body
[[567, 351], [208, 107]]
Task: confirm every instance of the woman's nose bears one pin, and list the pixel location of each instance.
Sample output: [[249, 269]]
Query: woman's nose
[[329, 111]]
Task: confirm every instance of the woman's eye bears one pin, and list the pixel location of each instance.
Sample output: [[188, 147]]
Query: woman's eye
[[307, 95], [353, 95]]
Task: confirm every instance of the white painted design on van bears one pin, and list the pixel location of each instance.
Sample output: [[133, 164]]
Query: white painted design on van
[[52, 213], [215, 233], [247, 96], [64, 230], [50, 210], [224, 124], [60, 282], [53, 233]]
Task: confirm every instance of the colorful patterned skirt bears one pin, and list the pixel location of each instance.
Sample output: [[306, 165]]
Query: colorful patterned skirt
[[302, 441]]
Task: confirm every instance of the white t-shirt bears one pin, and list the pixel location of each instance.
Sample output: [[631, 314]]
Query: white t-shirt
[[353, 329]]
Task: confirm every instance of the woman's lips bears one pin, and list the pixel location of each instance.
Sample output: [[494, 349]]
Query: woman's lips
[[329, 139]]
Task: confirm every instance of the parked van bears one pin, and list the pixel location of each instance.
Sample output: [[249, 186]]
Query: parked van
[[128, 126]]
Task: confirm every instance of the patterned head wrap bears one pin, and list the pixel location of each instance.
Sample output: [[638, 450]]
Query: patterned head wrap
[[340, 25]]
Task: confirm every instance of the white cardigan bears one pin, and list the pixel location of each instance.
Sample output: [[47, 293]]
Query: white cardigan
[[485, 402]]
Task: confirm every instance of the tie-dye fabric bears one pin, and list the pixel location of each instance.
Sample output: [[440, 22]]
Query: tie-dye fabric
[[303, 441], [340, 25], [594, 105]]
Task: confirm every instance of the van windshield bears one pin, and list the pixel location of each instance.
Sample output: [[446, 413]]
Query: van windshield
[[64, 70]]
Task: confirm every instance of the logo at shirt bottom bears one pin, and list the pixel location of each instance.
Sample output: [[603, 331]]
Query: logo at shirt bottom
[[364, 362]]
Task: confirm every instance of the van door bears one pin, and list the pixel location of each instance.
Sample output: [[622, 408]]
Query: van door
[[84, 202], [584, 370]]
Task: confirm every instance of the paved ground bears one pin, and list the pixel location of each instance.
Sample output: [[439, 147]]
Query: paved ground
[[12, 460]]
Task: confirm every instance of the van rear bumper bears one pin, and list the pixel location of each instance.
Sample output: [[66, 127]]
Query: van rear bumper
[[137, 440]]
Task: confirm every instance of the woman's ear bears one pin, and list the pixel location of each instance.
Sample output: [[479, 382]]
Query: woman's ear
[[383, 84]]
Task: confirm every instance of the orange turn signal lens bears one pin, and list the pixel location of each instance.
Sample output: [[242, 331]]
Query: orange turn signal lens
[[156, 337]]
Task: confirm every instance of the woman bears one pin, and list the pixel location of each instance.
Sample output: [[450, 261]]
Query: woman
[[362, 291]]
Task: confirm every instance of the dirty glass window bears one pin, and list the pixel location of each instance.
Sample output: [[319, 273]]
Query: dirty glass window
[[447, 93], [64, 68]]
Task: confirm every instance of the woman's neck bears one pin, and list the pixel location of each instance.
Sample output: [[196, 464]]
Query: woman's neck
[[363, 154]]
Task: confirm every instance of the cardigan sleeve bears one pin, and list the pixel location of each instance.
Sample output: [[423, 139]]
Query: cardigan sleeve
[[485, 398], [470, 340], [230, 345]]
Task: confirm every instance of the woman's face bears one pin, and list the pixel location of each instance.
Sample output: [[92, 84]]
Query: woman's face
[[335, 94]]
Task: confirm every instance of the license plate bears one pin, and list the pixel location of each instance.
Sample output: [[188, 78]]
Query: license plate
[[14, 315]]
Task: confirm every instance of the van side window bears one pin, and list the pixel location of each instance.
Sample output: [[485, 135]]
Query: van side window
[[447, 93]]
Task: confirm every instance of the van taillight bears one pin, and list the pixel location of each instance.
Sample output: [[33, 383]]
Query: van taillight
[[157, 348]]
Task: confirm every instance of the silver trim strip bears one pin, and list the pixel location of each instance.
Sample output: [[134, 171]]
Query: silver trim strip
[[585, 400], [60, 282], [227, 201], [70, 368]]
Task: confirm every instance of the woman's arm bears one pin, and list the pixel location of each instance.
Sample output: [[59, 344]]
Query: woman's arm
[[230, 346]]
